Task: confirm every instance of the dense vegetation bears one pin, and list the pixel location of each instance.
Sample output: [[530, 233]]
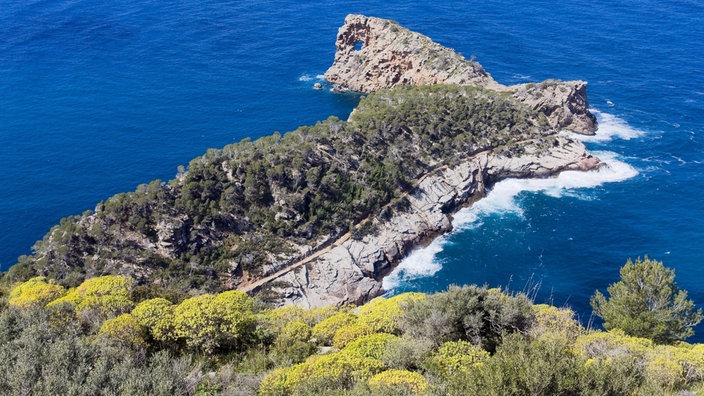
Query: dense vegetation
[[250, 208], [103, 338]]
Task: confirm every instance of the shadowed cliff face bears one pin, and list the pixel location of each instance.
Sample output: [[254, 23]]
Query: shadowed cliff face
[[374, 53]]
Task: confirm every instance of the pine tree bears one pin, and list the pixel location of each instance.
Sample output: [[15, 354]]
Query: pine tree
[[647, 303]]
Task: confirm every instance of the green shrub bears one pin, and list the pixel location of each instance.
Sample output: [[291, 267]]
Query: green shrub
[[469, 313], [647, 303], [406, 353]]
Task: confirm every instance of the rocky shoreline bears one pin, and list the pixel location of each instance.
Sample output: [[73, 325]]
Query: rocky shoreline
[[374, 53]]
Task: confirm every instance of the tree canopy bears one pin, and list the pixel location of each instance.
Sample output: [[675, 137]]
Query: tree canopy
[[647, 303]]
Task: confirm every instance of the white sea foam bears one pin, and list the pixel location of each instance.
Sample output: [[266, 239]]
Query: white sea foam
[[502, 200], [502, 197], [309, 77], [610, 127], [419, 264]]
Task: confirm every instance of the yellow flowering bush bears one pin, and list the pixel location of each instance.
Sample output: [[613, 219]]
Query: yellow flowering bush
[[671, 365], [317, 315], [291, 313], [347, 334], [555, 320], [455, 357], [664, 371], [107, 295], [292, 342], [107, 305], [207, 322], [124, 328], [274, 383], [381, 314], [371, 346], [36, 291], [197, 322], [391, 381], [325, 330], [236, 310], [333, 371], [157, 316], [109, 285], [278, 317], [294, 331], [342, 370], [614, 343]]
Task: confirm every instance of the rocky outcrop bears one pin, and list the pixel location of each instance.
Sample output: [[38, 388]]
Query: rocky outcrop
[[352, 272], [374, 53]]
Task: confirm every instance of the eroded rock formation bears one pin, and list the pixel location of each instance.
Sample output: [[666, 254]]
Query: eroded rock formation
[[374, 53]]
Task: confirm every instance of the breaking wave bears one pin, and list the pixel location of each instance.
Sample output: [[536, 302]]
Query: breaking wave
[[501, 199]]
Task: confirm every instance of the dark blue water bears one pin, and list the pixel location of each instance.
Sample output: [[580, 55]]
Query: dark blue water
[[98, 97]]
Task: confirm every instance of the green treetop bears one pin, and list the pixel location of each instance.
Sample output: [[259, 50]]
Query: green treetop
[[647, 303]]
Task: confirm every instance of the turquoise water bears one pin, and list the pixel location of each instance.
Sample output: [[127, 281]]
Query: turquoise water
[[98, 97]]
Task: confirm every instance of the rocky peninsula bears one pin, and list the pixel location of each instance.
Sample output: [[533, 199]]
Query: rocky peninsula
[[320, 215], [374, 53]]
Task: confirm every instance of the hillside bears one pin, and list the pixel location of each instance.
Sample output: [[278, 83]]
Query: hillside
[[102, 338], [251, 208]]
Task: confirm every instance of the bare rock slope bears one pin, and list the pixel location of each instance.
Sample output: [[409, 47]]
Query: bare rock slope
[[374, 53]]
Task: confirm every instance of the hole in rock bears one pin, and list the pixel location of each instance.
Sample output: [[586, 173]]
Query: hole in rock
[[358, 45]]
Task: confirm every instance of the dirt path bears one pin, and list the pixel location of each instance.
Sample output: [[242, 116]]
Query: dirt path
[[297, 264], [254, 285]]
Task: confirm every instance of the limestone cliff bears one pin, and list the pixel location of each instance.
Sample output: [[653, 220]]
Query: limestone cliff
[[374, 53]]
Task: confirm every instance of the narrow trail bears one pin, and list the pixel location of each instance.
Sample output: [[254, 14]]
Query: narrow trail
[[297, 264], [254, 285], [330, 245]]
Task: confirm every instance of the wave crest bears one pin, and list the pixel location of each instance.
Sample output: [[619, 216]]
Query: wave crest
[[610, 127], [501, 199]]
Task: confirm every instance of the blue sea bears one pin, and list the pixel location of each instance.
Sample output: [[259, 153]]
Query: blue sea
[[98, 97]]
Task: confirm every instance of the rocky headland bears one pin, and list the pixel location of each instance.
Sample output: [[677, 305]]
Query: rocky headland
[[374, 53], [320, 215]]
